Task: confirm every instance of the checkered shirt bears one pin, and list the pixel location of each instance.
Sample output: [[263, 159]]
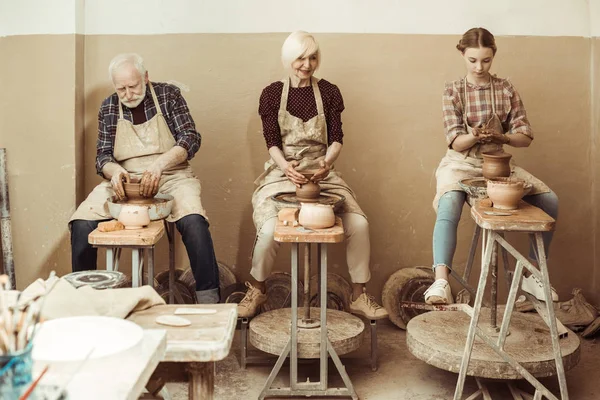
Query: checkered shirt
[[509, 107], [174, 108]]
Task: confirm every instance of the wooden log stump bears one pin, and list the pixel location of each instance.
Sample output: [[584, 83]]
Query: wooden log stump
[[406, 284], [339, 292]]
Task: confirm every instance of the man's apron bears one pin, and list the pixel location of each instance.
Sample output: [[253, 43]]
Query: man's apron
[[456, 166], [136, 148], [305, 142]]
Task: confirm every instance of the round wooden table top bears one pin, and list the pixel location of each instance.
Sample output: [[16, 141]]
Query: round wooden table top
[[270, 332], [438, 338]]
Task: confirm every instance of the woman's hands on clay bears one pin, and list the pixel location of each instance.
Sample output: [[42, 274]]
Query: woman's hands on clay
[[322, 172], [485, 136], [296, 177]]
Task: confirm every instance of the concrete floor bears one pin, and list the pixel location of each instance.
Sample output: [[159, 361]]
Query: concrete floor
[[400, 374]]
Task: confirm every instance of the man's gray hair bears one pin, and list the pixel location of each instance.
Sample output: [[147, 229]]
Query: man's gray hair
[[128, 58]]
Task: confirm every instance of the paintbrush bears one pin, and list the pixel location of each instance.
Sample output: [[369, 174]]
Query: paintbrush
[[31, 387]]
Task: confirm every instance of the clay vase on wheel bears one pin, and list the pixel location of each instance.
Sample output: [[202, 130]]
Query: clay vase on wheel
[[316, 216], [496, 165], [505, 193], [309, 192]]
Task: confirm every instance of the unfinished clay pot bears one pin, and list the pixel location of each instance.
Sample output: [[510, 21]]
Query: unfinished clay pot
[[309, 192], [132, 192], [496, 165], [505, 193], [316, 216], [134, 216]]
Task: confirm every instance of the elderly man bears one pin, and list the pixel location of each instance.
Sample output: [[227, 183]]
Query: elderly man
[[145, 131]]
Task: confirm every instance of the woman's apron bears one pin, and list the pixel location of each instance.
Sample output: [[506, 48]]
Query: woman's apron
[[136, 148], [456, 166], [305, 142]]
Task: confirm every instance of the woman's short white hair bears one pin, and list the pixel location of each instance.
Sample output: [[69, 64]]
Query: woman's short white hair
[[129, 58], [299, 44]]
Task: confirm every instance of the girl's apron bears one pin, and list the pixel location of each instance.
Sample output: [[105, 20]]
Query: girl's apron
[[136, 148], [305, 142], [456, 166]]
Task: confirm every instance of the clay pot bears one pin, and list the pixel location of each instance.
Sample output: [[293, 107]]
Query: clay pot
[[132, 192], [505, 193], [134, 217], [496, 165], [316, 216], [309, 192]]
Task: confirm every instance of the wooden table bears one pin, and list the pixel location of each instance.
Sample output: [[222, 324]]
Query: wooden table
[[494, 222], [121, 376], [192, 350], [138, 240], [321, 237]]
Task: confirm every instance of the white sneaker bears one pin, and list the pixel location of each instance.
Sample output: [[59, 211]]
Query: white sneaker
[[534, 287], [439, 293]]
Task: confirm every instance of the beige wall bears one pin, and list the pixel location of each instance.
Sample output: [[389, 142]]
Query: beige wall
[[392, 87], [595, 165], [38, 75]]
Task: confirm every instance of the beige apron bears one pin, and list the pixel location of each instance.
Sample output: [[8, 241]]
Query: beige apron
[[136, 148], [305, 142], [456, 166]]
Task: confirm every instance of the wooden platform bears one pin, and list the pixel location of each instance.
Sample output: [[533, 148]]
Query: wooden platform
[[298, 234], [147, 236], [270, 332], [439, 337], [526, 218]]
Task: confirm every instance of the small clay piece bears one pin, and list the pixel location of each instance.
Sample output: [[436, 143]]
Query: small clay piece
[[496, 165], [505, 193], [172, 320], [309, 192], [316, 216], [110, 226], [289, 216], [134, 216]]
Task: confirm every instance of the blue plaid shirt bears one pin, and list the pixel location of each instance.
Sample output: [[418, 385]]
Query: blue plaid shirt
[[174, 109]]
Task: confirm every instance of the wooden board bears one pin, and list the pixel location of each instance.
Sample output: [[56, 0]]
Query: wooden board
[[526, 218], [270, 332], [298, 234], [438, 338], [147, 236], [208, 338]]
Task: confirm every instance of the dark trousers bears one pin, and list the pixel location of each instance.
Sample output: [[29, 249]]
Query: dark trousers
[[194, 233]]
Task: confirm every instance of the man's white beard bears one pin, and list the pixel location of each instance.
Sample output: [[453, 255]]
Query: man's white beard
[[136, 101]]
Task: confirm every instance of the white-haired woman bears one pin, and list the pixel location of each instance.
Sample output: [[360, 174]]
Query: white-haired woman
[[302, 127]]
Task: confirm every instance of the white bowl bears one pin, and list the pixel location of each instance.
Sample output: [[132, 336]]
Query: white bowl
[[72, 338]]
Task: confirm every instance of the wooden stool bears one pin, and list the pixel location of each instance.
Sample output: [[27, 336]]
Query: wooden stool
[[493, 222], [138, 240], [307, 325]]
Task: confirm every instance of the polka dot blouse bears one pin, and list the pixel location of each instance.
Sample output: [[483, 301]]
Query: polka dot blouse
[[301, 104]]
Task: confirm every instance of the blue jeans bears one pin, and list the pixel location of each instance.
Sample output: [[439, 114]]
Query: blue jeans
[[448, 215]]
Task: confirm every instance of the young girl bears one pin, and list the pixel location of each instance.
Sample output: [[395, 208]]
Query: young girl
[[482, 113]]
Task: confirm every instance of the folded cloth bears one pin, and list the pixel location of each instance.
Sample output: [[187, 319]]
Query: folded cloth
[[65, 301]]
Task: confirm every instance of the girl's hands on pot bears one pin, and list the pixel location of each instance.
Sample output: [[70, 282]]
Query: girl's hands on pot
[[296, 177], [322, 173]]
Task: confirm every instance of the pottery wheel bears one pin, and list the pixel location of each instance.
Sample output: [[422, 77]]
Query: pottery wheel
[[96, 279], [290, 199], [270, 332], [438, 338]]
